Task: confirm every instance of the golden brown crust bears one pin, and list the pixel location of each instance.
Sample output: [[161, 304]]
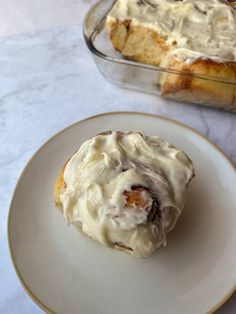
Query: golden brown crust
[[59, 188], [202, 90], [137, 43], [118, 34], [146, 46]]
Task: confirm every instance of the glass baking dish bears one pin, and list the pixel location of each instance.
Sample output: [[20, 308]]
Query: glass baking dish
[[147, 78]]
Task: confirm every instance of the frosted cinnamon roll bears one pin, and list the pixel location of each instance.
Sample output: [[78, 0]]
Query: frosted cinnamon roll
[[125, 190], [191, 38]]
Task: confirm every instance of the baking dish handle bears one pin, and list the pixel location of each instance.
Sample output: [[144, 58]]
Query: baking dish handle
[[94, 18]]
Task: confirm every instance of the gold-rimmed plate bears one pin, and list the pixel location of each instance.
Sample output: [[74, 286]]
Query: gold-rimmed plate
[[65, 272]]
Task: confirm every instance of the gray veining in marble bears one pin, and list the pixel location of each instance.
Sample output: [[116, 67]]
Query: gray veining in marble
[[48, 80]]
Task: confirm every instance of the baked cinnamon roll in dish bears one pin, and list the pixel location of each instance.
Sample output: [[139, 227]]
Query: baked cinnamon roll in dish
[[192, 37], [125, 190]]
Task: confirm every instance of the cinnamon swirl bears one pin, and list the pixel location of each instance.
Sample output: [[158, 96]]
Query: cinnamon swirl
[[125, 190]]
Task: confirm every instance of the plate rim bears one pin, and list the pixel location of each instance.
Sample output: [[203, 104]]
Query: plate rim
[[33, 297]]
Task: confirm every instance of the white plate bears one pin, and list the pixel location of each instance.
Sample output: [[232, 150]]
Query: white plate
[[65, 272]]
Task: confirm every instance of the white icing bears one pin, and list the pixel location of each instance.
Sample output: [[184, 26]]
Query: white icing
[[104, 168], [200, 28]]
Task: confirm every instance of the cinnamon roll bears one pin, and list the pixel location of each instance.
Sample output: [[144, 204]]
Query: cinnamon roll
[[125, 190], [194, 40]]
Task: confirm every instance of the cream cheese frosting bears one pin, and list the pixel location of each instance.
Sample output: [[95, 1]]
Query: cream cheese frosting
[[193, 28], [108, 167]]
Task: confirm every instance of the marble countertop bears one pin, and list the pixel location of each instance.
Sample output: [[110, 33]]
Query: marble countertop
[[48, 81]]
